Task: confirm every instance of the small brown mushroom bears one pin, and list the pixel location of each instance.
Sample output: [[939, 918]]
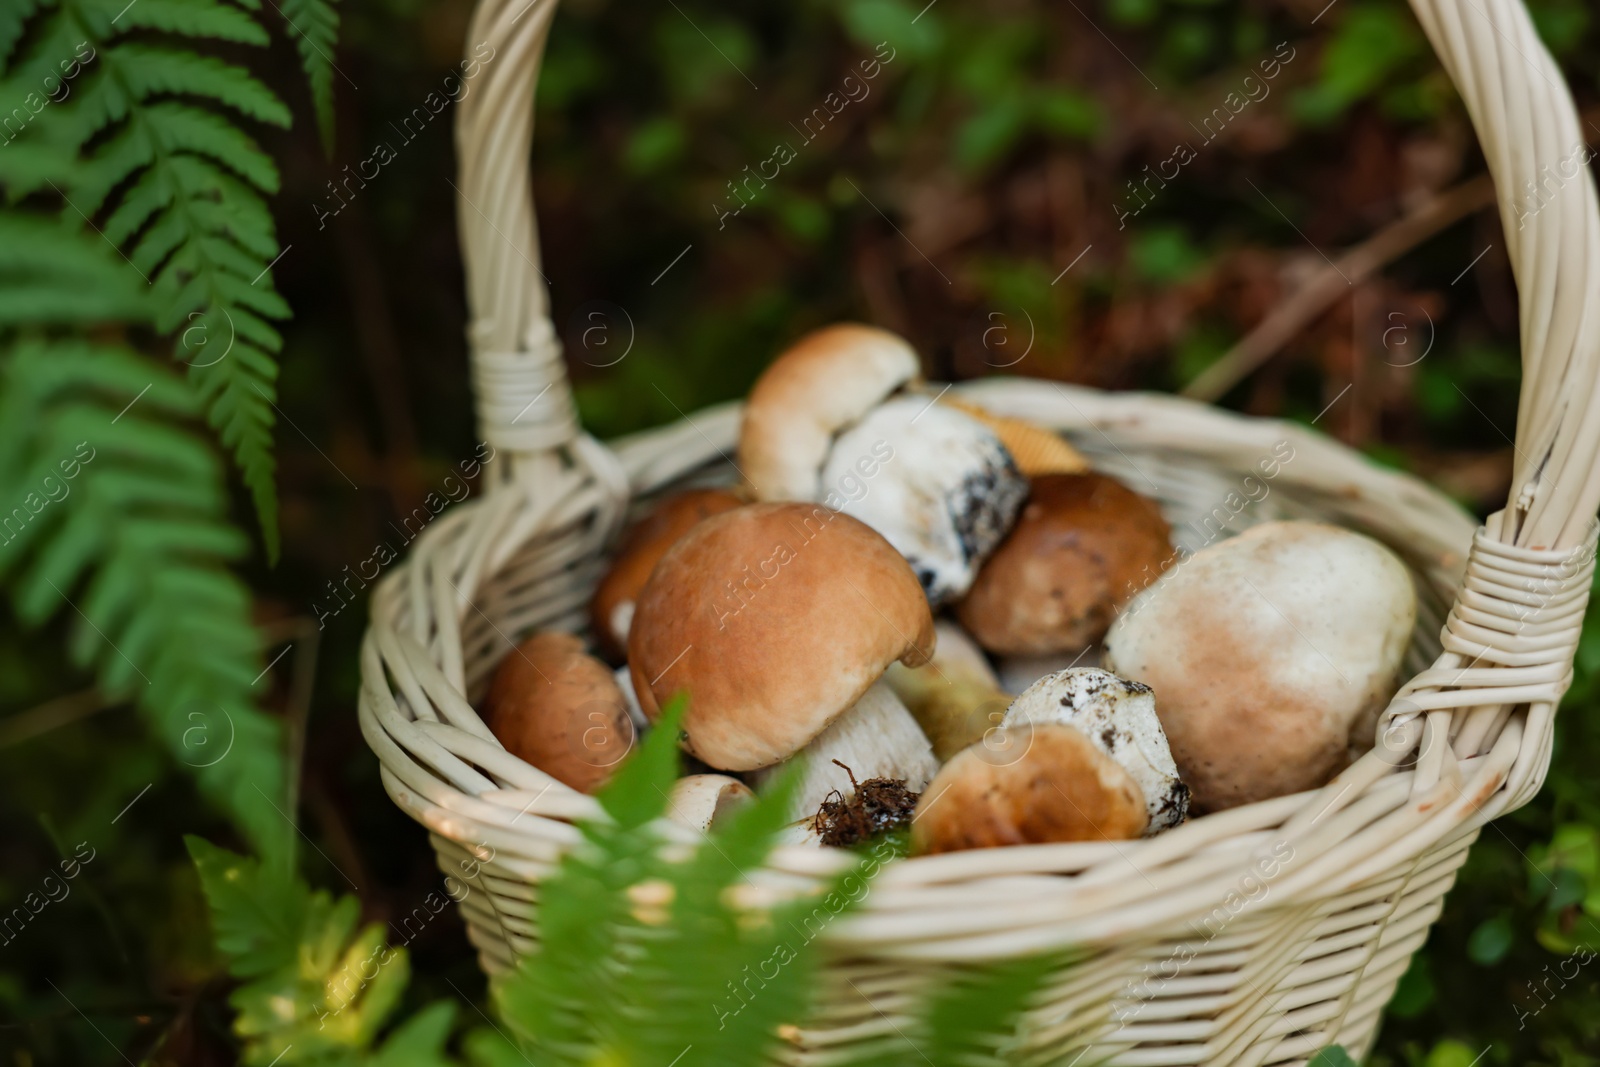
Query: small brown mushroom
[[611, 609], [776, 620], [560, 709], [1083, 546], [1026, 785]]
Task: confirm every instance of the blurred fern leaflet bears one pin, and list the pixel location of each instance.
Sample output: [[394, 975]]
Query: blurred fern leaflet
[[112, 512], [180, 188]]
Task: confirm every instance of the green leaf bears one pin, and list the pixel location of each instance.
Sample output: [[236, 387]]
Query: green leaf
[[1491, 941], [1332, 1056], [638, 792], [1371, 42], [181, 186], [257, 911], [314, 26], [133, 551]]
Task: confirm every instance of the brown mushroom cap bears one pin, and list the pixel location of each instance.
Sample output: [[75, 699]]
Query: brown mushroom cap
[[821, 384], [641, 549], [774, 619], [560, 709], [1082, 547], [1027, 785]]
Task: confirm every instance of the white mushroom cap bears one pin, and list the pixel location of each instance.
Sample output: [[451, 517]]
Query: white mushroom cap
[[1271, 652], [822, 383], [936, 483], [1119, 717]]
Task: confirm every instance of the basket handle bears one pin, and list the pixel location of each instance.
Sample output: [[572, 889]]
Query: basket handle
[[1514, 92], [1529, 130], [519, 382]]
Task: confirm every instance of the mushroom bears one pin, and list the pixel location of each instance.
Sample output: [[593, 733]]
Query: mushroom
[[611, 609], [1025, 785], [560, 709], [1082, 547], [942, 488], [1273, 652], [702, 801], [954, 697], [1119, 717], [776, 620], [1035, 449], [876, 738], [821, 384]]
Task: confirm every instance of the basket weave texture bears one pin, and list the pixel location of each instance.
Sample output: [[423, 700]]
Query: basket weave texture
[[1255, 936]]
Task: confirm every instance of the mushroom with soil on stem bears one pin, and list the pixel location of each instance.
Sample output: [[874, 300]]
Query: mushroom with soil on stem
[[778, 620], [560, 709], [1119, 717]]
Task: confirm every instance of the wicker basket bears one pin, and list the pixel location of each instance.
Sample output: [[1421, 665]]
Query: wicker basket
[[1255, 936]]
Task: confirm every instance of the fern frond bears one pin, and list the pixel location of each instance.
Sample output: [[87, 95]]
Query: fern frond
[[117, 519], [180, 188], [317, 989], [314, 25], [13, 20]]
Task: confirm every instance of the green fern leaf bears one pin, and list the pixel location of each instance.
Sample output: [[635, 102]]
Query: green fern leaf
[[317, 989], [180, 189], [120, 524], [13, 19], [215, 21], [314, 25]]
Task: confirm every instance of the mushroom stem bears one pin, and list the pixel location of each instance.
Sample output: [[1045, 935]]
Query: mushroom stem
[[703, 800], [955, 697], [877, 738]]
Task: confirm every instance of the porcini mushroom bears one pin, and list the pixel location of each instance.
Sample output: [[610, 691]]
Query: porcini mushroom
[[611, 608], [1028, 785], [701, 801], [776, 620], [1271, 652], [942, 488], [1119, 717], [877, 735], [955, 696], [1083, 546], [822, 383], [560, 709]]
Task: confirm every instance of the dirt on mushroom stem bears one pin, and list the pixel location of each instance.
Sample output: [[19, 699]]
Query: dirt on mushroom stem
[[878, 806]]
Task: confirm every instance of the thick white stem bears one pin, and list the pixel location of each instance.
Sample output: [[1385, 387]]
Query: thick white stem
[[877, 738]]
